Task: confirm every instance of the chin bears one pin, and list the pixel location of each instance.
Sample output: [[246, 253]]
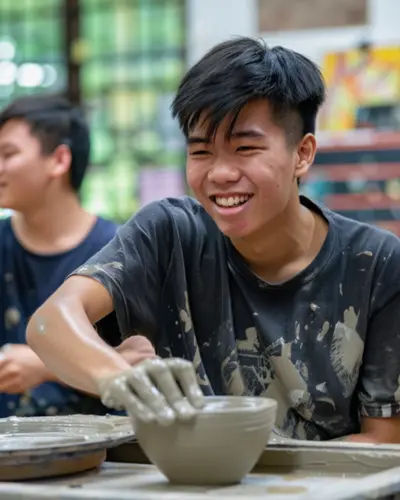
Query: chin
[[6, 206], [234, 232]]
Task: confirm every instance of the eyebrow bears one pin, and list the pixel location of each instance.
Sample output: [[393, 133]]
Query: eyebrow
[[255, 134], [250, 133], [198, 140], [5, 145]]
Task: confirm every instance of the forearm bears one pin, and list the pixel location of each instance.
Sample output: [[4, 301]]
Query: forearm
[[363, 437], [48, 375], [377, 430], [61, 333]]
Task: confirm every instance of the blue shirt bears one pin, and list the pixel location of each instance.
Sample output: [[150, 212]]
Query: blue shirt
[[26, 281]]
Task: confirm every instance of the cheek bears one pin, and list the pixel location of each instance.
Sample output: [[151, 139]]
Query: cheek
[[193, 177]]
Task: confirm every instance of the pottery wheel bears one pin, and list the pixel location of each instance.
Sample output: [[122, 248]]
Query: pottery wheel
[[33, 447]]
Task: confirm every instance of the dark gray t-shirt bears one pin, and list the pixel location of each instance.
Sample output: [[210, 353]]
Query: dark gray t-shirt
[[325, 343]]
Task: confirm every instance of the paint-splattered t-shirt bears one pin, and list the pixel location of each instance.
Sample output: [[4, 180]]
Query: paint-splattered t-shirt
[[325, 343], [26, 281]]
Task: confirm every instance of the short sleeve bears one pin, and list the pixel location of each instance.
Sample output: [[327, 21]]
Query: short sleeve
[[379, 383], [132, 267]]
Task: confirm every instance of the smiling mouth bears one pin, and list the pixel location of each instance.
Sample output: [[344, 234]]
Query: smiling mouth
[[231, 201]]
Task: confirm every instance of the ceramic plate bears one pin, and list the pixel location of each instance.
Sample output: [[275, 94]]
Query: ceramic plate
[[31, 439]]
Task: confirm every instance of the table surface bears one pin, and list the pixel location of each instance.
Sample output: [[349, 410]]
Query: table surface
[[116, 480], [287, 469]]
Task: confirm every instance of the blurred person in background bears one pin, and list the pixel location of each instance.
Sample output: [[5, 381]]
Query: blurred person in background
[[263, 292], [44, 154]]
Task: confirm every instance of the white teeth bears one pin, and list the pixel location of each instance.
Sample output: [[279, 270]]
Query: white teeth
[[231, 201]]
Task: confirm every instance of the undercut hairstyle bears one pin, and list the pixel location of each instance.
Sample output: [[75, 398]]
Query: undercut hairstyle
[[238, 71], [53, 120]]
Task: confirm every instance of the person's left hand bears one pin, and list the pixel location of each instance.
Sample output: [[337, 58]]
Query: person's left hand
[[20, 369]]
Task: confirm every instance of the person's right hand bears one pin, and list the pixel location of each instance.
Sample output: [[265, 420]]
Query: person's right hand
[[155, 390], [21, 369]]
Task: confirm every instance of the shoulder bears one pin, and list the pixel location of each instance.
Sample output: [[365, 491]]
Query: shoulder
[[102, 232], [6, 231], [5, 223], [370, 250], [183, 213], [362, 237], [105, 226], [171, 223], [181, 206], [354, 236]]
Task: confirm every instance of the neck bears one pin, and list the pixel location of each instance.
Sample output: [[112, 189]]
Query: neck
[[286, 245], [54, 225]]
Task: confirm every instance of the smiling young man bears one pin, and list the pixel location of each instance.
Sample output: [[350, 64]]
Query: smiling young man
[[263, 292]]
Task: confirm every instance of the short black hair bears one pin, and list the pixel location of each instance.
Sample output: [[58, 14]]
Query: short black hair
[[53, 120], [240, 70]]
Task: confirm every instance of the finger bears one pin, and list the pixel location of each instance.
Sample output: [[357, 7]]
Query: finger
[[13, 388], [7, 373], [160, 371], [138, 343], [11, 384], [151, 397], [123, 396], [186, 376], [3, 360]]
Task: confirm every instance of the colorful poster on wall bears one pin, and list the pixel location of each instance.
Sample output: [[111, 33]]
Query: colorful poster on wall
[[356, 79]]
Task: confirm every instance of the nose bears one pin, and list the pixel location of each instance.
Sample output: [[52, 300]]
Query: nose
[[223, 171]]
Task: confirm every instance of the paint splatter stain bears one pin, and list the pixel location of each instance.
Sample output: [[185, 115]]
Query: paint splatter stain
[[12, 317], [327, 401], [347, 350], [41, 325], [251, 343], [397, 393], [368, 253], [94, 268], [184, 315], [323, 332]]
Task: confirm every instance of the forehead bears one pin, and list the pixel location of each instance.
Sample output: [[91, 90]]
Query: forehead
[[256, 115], [18, 132]]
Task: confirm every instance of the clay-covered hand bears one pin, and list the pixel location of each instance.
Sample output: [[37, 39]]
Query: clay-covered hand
[[155, 390], [20, 369]]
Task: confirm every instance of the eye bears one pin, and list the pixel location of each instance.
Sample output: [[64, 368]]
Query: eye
[[8, 154], [246, 148], [199, 152]]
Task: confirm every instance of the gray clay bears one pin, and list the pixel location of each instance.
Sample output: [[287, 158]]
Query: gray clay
[[219, 446]]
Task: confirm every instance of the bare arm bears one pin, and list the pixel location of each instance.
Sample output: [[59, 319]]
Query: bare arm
[[61, 333], [378, 430]]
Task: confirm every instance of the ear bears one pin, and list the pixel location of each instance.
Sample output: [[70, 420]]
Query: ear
[[61, 160], [306, 150]]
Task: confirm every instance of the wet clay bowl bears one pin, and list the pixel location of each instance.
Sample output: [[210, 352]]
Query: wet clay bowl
[[220, 446]]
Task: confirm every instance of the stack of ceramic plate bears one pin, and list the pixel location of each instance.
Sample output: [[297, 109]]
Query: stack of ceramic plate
[[32, 447]]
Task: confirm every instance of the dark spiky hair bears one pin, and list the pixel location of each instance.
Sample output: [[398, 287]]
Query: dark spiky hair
[[239, 70]]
